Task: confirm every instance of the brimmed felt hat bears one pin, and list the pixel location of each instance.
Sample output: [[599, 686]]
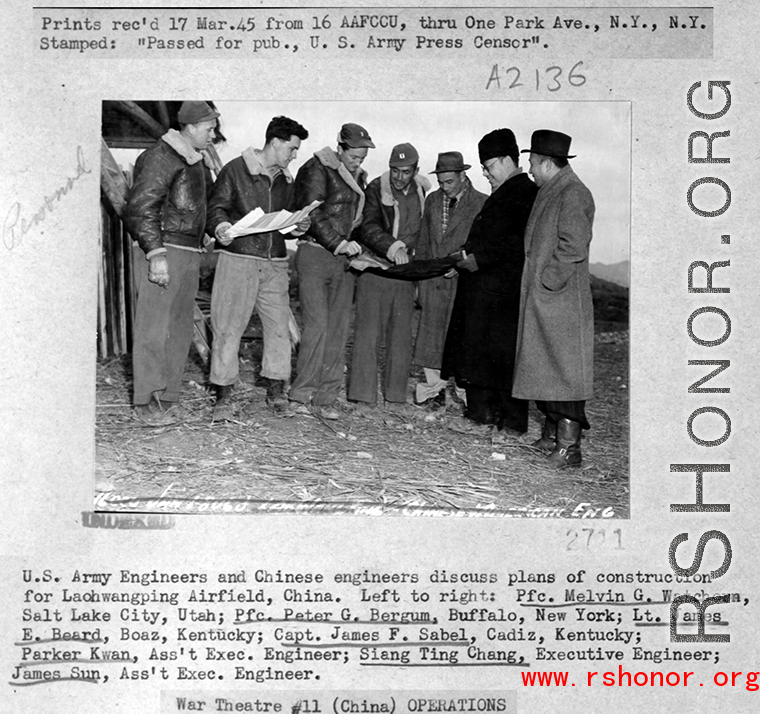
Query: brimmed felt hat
[[355, 136], [403, 155], [499, 142], [449, 161], [195, 112], [550, 143]]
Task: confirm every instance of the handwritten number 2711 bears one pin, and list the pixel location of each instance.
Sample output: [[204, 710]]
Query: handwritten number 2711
[[589, 538]]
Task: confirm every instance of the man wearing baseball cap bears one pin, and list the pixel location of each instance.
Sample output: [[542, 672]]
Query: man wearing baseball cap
[[385, 306], [166, 215], [449, 213], [555, 344], [326, 287]]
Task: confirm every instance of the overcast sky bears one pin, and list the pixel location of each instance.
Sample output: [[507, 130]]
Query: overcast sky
[[600, 130]]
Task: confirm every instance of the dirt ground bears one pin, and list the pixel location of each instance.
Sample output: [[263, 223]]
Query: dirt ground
[[420, 461]]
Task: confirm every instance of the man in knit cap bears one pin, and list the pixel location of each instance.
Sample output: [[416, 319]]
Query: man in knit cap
[[166, 215]]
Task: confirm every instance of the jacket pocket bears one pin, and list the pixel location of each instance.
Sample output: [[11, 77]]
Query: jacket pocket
[[549, 291]]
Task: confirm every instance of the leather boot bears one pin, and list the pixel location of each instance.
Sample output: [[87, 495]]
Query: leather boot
[[276, 399], [223, 409], [567, 452], [548, 439]]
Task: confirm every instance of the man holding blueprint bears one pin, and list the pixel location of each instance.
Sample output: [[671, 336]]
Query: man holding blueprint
[[256, 192]]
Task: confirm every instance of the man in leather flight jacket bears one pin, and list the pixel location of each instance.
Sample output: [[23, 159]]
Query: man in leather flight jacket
[[385, 306], [166, 215], [252, 270], [326, 287]]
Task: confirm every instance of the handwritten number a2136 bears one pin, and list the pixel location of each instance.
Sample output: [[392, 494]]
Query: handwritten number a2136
[[551, 77]]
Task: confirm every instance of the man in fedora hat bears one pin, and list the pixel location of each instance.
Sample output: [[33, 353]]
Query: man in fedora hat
[[480, 343], [252, 271], [166, 215], [555, 346], [326, 287], [449, 213], [385, 306]]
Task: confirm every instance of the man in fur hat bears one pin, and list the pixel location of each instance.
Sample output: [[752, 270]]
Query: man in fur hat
[[384, 305], [252, 270], [166, 215], [555, 344], [449, 213], [326, 287], [480, 343]]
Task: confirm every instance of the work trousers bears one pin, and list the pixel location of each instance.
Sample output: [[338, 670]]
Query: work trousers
[[240, 286], [164, 321], [384, 309], [326, 292]]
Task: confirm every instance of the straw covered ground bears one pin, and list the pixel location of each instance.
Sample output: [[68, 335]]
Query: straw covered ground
[[418, 461]]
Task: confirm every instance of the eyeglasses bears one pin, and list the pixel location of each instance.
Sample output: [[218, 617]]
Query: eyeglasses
[[486, 168]]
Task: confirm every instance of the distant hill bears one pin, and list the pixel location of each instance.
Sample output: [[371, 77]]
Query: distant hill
[[615, 273], [610, 305]]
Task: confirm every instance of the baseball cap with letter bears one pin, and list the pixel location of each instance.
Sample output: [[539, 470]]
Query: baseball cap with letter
[[355, 137], [403, 155]]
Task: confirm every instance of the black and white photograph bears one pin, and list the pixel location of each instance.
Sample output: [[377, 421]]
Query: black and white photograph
[[447, 330], [379, 360]]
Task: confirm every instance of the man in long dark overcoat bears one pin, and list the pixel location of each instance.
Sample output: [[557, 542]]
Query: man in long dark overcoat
[[555, 345], [480, 344], [449, 213]]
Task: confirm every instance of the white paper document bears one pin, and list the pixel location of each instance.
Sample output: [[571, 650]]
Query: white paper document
[[259, 222]]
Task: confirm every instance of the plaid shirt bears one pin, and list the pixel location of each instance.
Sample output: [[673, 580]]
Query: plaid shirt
[[447, 211]]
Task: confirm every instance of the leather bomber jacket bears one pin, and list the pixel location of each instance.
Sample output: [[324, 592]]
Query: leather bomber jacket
[[240, 188], [167, 202], [321, 179], [379, 230]]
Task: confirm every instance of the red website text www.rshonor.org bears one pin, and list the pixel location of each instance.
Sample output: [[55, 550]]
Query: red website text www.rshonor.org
[[621, 678]]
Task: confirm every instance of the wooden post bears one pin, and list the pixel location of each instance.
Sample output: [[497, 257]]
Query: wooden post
[[112, 180]]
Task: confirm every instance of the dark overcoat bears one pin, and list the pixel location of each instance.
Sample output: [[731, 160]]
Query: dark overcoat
[[480, 343], [555, 344], [436, 295]]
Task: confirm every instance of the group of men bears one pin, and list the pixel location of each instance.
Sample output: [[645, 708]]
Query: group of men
[[502, 280]]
